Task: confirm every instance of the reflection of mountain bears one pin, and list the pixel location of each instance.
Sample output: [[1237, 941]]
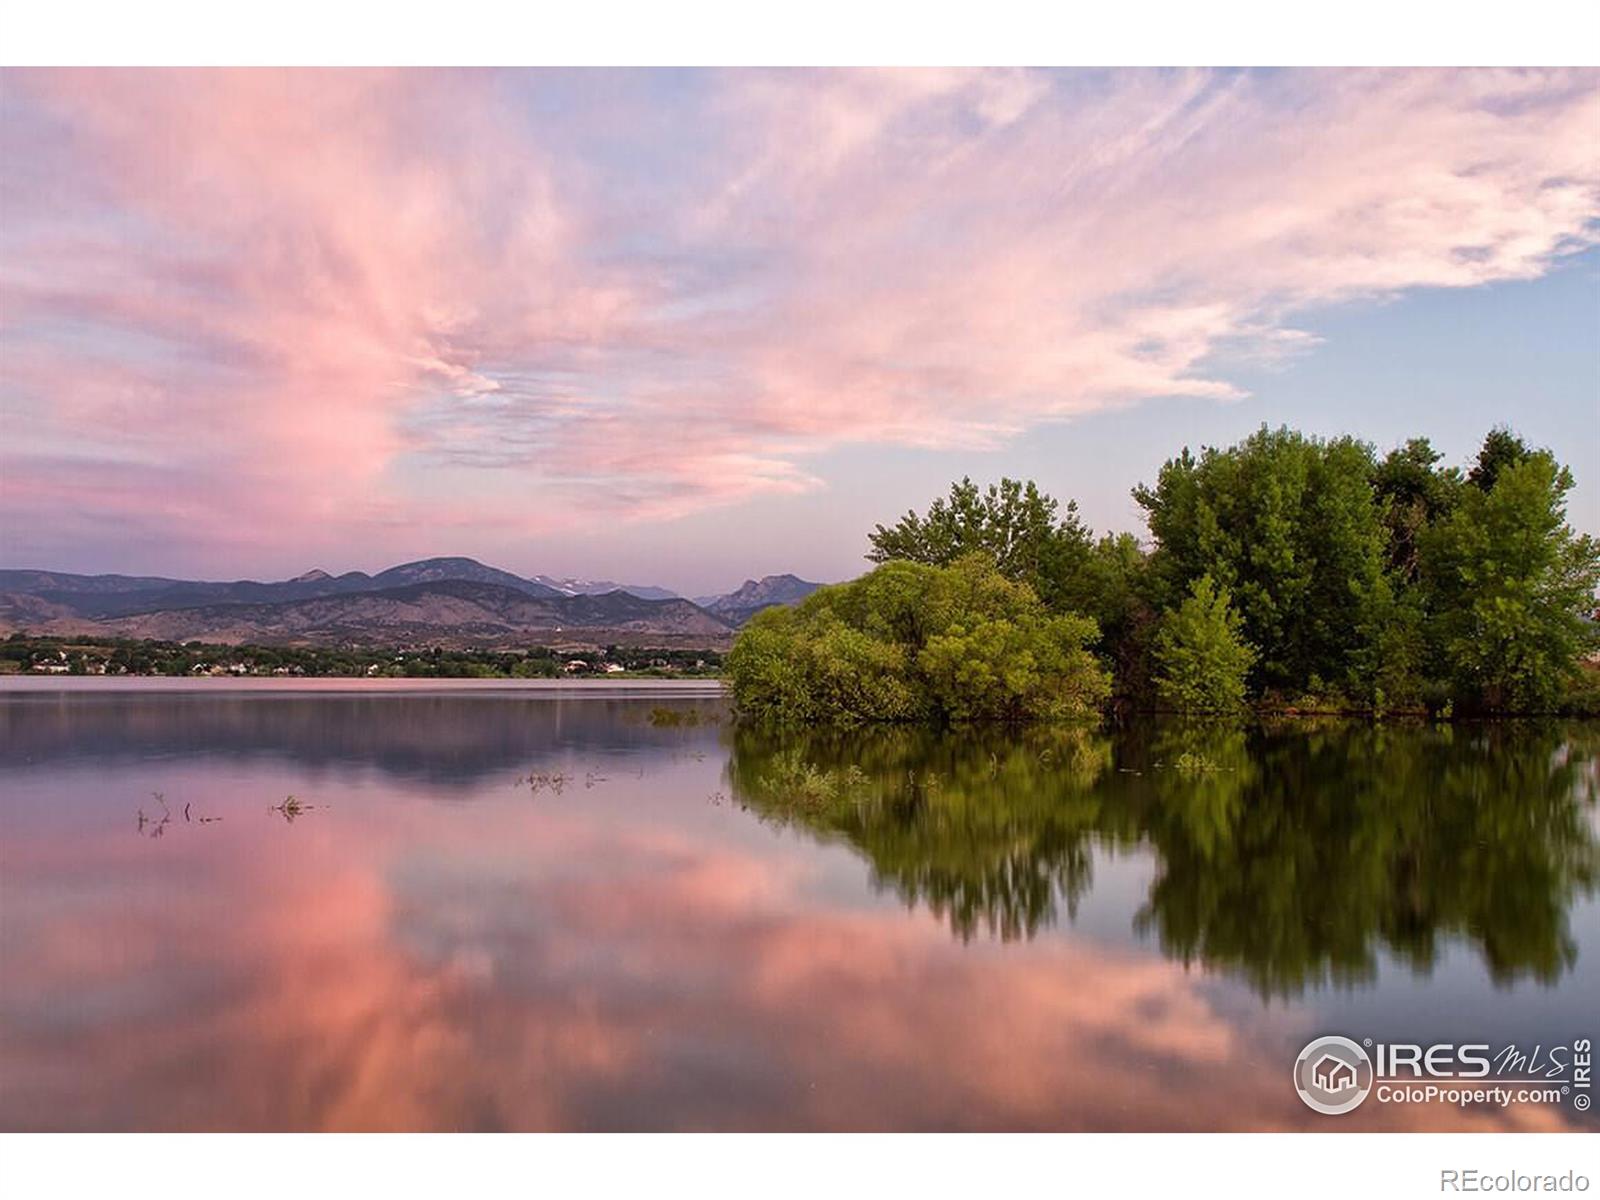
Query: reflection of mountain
[[1290, 857], [445, 740]]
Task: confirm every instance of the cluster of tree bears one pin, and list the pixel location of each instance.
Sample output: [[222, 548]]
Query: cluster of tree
[[1291, 856], [1295, 571], [120, 656], [913, 642]]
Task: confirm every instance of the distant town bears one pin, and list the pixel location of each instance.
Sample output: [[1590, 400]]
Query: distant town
[[24, 655]]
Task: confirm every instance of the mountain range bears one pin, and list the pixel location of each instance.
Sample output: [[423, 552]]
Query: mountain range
[[750, 597], [445, 601]]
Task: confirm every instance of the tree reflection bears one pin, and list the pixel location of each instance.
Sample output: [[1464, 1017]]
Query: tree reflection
[[1291, 855], [990, 832]]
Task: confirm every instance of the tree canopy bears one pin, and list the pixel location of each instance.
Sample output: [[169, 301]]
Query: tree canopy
[[913, 642], [1510, 587], [1201, 655], [1286, 570], [1012, 522], [1290, 525]]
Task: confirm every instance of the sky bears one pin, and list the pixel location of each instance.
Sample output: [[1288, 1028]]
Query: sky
[[689, 327]]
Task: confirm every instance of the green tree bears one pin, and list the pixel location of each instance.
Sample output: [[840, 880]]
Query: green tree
[[1013, 669], [1290, 525], [1391, 661], [911, 642], [1014, 523], [1201, 656], [1413, 493], [1017, 525], [1510, 586], [1113, 588], [1501, 449]]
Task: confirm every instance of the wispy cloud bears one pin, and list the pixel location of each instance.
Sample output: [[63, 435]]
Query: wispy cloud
[[319, 308]]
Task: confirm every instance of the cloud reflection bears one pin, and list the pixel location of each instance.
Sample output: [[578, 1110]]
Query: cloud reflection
[[607, 961]]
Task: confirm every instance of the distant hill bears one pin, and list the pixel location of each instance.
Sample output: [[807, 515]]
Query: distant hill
[[455, 612], [433, 570], [450, 600], [105, 596], [36, 582], [739, 605]]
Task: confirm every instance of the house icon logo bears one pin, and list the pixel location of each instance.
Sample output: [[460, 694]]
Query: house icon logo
[[1333, 1075]]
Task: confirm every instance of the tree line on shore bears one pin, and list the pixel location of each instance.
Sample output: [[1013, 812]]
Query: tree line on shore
[[26, 654], [1287, 572]]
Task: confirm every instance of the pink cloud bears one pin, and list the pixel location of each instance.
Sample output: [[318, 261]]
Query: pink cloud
[[305, 308]]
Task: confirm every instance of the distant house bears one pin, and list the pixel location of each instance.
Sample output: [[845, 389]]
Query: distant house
[[575, 666], [1333, 1075], [614, 668]]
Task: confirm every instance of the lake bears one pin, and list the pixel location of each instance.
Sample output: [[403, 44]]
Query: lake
[[608, 908]]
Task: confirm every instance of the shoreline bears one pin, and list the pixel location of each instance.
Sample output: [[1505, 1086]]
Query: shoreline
[[325, 684], [640, 687]]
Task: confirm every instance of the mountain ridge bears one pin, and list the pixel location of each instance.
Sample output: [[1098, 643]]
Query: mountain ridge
[[753, 595], [457, 612], [449, 599]]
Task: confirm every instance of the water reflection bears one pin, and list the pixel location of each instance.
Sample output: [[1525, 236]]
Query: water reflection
[[518, 913], [1288, 855], [453, 741]]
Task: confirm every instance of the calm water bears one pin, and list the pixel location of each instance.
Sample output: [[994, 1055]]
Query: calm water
[[535, 910]]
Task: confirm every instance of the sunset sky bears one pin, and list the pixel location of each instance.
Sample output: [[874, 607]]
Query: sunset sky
[[685, 327]]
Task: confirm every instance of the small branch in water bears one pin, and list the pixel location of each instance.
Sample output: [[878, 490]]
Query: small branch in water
[[155, 827], [152, 827], [545, 779], [291, 808]]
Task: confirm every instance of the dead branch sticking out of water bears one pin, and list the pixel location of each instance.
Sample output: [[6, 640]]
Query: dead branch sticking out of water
[[153, 827], [291, 808], [556, 781]]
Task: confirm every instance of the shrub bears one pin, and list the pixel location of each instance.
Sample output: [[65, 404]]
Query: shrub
[[1201, 656], [912, 642]]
